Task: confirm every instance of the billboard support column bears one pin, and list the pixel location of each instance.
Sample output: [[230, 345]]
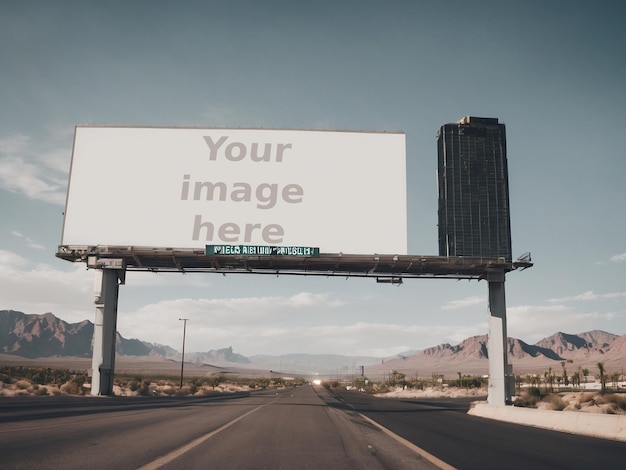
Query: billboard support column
[[106, 289], [499, 391]]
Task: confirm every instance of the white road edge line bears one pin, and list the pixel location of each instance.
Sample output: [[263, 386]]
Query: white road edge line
[[418, 450], [196, 442]]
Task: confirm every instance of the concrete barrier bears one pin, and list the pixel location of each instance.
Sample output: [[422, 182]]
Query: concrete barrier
[[588, 424]]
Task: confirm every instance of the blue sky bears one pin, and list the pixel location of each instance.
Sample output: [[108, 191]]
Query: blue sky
[[553, 72]]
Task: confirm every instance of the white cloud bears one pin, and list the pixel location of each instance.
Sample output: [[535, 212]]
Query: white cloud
[[231, 312], [32, 169], [532, 323], [151, 279], [589, 295], [9, 261], [14, 144], [40, 288], [464, 303], [30, 243], [614, 295], [619, 258], [306, 299]]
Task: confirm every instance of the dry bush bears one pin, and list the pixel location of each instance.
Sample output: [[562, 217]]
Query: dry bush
[[528, 398], [587, 398], [145, 390], [556, 402], [6, 379], [616, 402], [22, 384], [72, 388], [41, 391], [183, 392], [380, 388], [205, 391]]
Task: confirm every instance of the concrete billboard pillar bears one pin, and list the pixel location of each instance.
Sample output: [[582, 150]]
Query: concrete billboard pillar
[[106, 289], [500, 390]]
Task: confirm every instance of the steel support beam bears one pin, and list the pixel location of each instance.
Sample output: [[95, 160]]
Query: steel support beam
[[500, 391], [106, 289]]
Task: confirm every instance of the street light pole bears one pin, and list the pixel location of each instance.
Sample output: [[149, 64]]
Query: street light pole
[[182, 362]]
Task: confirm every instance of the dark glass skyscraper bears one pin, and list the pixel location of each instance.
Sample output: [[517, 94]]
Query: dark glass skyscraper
[[472, 177]]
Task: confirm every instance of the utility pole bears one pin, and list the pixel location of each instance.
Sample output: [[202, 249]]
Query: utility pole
[[182, 362]]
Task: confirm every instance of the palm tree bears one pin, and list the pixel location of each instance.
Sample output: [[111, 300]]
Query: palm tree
[[576, 379], [602, 377], [565, 378], [615, 379], [549, 380], [585, 372]]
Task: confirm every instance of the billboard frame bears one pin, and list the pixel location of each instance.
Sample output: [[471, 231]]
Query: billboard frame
[[187, 260]]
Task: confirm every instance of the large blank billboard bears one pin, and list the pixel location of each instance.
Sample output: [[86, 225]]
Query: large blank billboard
[[191, 187]]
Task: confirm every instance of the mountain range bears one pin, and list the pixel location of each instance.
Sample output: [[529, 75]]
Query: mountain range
[[39, 336], [560, 350]]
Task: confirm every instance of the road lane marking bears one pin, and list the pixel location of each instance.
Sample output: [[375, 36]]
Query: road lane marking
[[418, 450], [196, 442]]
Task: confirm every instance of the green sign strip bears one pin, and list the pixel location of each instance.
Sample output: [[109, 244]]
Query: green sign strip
[[262, 250]]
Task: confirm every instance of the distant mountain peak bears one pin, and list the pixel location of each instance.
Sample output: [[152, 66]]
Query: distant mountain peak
[[32, 336], [45, 335]]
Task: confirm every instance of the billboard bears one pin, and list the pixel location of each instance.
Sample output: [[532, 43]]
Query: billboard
[[191, 187]]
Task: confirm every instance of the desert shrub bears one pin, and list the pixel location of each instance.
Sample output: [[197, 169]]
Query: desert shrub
[[74, 386], [134, 385], [556, 402], [204, 391], [617, 401], [38, 375], [71, 388], [182, 392], [527, 398], [41, 391], [468, 381], [587, 398], [22, 384], [382, 388], [144, 390], [215, 380], [4, 378]]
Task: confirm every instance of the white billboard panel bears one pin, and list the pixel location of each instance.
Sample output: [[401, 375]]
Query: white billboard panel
[[189, 187]]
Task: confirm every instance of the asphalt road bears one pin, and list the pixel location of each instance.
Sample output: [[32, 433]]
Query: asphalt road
[[303, 427], [442, 428]]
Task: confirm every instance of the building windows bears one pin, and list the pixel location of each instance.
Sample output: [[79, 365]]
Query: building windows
[[472, 177]]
